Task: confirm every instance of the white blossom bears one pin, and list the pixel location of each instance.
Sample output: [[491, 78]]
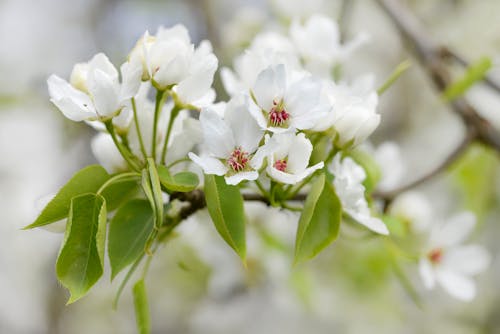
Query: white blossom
[[107, 154], [348, 186], [286, 102], [95, 92], [169, 59], [230, 143], [449, 263], [318, 43], [413, 208], [288, 158]]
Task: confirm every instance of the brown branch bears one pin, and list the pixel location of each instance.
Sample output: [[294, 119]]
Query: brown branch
[[432, 58]]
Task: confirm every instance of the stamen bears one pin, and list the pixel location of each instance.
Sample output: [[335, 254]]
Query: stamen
[[280, 165], [238, 160], [278, 115], [436, 255]]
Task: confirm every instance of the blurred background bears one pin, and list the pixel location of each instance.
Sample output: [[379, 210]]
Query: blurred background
[[196, 284]]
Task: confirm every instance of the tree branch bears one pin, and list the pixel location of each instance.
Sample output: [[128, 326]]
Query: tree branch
[[432, 57]]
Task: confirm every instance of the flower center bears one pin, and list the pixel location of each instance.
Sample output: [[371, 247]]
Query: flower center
[[280, 165], [238, 160], [435, 255], [278, 115]]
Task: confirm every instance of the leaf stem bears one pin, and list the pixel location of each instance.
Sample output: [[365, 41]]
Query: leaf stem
[[138, 129], [123, 151], [160, 99], [116, 178], [262, 189], [173, 115]]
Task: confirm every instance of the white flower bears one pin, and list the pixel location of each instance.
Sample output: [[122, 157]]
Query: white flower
[[414, 208], [96, 92], [353, 114], [388, 157], [107, 154], [267, 49], [231, 142], [286, 102], [450, 264], [170, 60], [289, 157], [347, 182], [318, 43]]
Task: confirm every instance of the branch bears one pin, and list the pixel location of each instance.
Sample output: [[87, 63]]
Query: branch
[[432, 56]]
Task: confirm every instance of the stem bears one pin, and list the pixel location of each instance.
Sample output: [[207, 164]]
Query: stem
[[125, 154], [160, 99], [173, 115], [125, 281], [261, 188], [290, 207], [138, 129], [116, 178], [398, 71], [178, 162]]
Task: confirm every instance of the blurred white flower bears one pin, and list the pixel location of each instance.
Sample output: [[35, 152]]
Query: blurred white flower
[[230, 143], [449, 263], [318, 43], [289, 158], [96, 92], [286, 102], [170, 59], [353, 115], [388, 157], [107, 154], [413, 208], [298, 8], [267, 49], [348, 178]]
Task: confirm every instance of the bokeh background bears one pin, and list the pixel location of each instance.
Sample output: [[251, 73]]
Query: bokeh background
[[196, 284]]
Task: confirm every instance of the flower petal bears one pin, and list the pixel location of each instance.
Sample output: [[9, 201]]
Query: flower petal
[[457, 285], [299, 154], [73, 103], [270, 84], [242, 176], [105, 92], [218, 136], [208, 164], [454, 231], [467, 260], [247, 133], [426, 273]]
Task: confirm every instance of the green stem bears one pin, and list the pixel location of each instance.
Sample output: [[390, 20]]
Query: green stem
[[262, 189], [290, 207], [123, 151], [116, 178], [178, 162], [125, 280], [173, 115], [138, 129], [160, 99], [400, 69]]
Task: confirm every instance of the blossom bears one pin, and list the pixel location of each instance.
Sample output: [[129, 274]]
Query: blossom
[[413, 208], [318, 43], [286, 102], [353, 113], [267, 49], [170, 60], [95, 91], [231, 142], [449, 263], [107, 154], [288, 158], [348, 186]]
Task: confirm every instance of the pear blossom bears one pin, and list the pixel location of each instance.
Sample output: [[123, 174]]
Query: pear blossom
[[388, 157], [318, 43], [169, 59], [353, 113], [95, 92], [267, 49], [286, 102], [414, 208], [231, 142], [289, 157], [449, 263], [348, 186]]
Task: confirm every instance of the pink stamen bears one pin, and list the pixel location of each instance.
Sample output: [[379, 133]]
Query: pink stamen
[[280, 165], [238, 160], [278, 115], [436, 255]]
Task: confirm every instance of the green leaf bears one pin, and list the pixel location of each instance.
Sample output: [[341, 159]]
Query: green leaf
[[141, 307], [87, 180], [320, 220], [473, 74], [225, 206], [129, 231], [117, 193], [181, 182], [81, 259]]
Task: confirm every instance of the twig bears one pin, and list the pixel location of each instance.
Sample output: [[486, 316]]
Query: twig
[[448, 161]]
